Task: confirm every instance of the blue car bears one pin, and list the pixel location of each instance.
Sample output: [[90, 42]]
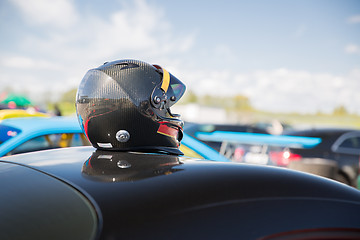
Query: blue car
[[20, 135]]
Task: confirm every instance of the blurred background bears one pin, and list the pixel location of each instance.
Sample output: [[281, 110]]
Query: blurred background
[[294, 62]]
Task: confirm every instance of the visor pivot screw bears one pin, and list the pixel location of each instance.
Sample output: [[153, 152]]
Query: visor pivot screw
[[157, 100], [122, 136], [173, 98]]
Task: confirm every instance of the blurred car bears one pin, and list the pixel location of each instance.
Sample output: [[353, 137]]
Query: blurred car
[[19, 113], [273, 127], [339, 145], [191, 147], [20, 135], [193, 128], [84, 193], [250, 145], [333, 153]]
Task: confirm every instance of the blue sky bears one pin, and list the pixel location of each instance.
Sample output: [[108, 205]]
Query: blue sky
[[298, 56]]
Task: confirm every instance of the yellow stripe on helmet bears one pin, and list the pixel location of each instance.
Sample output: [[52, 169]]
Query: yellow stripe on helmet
[[166, 80]]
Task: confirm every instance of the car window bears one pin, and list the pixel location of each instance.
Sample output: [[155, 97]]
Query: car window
[[348, 143], [51, 141], [353, 142], [35, 144], [79, 139]]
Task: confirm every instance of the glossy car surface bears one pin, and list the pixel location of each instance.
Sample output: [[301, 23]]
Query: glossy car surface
[[32, 134], [339, 145], [113, 195]]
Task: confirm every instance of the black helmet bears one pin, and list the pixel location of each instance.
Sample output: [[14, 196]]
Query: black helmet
[[125, 106]]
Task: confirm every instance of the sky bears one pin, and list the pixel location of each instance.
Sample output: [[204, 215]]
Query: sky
[[285, 56]]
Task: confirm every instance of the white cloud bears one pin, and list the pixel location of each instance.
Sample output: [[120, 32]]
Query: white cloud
[[63, 53], [59, 13], [134, 29], [21, 62], [138, 28], [354, 19], [352, 49], [59, 57], [282, 90]]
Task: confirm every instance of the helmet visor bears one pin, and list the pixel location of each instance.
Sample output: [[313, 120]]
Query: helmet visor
[[176, 89], [170, 89]]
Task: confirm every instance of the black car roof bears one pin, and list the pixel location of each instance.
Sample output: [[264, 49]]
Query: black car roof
[[137, 191]]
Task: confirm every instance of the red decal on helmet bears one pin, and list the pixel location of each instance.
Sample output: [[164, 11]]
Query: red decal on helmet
[[167, 130], [86, 127]]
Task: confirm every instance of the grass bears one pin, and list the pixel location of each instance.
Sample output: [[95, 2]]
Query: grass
[[296, 119], [66, 108]]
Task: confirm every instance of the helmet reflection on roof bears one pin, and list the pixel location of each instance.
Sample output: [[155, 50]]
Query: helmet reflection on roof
[[106, 166], [125, 106]]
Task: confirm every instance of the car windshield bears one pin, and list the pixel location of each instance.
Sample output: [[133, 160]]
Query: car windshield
[[7, 132]]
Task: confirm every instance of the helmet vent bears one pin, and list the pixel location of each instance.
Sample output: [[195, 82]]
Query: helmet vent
[[127, 65]]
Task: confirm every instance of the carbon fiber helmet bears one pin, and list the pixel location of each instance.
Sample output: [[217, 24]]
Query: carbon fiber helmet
[[125, 106]]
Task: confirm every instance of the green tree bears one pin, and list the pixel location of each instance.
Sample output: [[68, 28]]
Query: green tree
[[69, 96], [189, 97], [340, 111], [242, 103]]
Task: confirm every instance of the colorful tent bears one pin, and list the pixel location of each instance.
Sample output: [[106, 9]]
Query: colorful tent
[[19, 100]]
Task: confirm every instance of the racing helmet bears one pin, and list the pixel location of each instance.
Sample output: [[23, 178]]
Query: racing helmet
[[125, 106]]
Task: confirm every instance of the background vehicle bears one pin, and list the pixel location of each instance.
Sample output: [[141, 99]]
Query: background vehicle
[[19, 135], [319, 148], [339, 145], [19, 113], [191, 147], [83, 193], [249, 145], [193, 128]]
